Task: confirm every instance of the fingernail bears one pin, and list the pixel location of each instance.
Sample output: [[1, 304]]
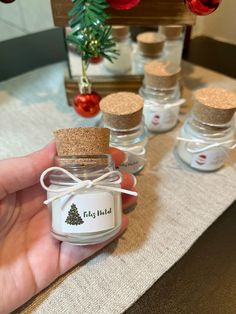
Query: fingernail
[[126, 157], [134, 180]]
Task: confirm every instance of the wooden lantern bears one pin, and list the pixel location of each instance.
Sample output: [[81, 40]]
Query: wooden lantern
[[146, 13]]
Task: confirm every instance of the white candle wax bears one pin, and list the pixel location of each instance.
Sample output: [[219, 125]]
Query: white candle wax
[[160, 118], [122, 63], [207, 160], [98, 209]]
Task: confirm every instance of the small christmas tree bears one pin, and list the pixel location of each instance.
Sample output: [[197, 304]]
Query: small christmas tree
[[74, 217]]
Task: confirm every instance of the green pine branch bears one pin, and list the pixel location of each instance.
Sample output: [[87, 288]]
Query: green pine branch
[[89, 32], [87, 12]]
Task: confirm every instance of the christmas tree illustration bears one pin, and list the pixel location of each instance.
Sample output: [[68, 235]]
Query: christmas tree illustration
[[74, 217]]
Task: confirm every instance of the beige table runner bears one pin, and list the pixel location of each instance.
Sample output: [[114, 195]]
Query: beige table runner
[[176, 204]]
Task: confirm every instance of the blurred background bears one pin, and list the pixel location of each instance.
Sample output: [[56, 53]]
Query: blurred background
[[29, 16], [23, 17]]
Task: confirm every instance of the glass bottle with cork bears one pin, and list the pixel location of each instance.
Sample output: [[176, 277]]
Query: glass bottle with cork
[[161, 93], [122, 64], [84, 195], [149, 47], [173, 47], [208, 134], [122, 114]]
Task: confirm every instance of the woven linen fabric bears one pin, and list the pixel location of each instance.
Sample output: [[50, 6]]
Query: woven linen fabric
[[176, 204]]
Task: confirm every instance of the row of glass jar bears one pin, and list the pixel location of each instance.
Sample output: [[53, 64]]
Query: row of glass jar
[[85, 191], [92, 215], [202, 145], [167, 45]]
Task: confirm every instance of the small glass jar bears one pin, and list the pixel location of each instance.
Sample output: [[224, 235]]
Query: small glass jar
[[90, 215], [149, 47], [162, 97], [173, 47], [123, 62], [84, 194], [122, 114], [133, 142], [208, 133], [203, 135]]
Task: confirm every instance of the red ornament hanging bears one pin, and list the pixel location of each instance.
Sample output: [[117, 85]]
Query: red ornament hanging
[[202, 7], [87, 104], [123, 4], [95, 60]]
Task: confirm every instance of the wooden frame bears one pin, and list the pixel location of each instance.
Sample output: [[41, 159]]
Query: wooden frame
[[105, 85], [146, 13]]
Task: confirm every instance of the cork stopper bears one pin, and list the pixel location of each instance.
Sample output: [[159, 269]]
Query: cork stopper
[[122, 110], [172, 32], [119, 32], [82, 141], [214, 106], [158, 74], [151, 43]]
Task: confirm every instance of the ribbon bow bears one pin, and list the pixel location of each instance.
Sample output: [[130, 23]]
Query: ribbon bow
[[78, 184], [207, 145]]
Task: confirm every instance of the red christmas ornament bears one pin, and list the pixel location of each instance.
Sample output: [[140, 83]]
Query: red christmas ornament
[[202, 7], [96, 60], [123, 4], [7, 1], [87, 104]]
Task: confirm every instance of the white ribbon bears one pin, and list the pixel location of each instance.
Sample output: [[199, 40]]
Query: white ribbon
[[207, 145], [153, 104], [80, 184], [137, 151]]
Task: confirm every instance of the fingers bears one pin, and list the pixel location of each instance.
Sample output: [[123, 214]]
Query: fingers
[[22, 172], [129, 200], [117, 155], [128, 182], [72, 255]]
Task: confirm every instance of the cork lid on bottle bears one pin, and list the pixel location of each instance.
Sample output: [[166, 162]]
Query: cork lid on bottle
[[214, 106], [171, 32], [120, 32], [158, 74], [150, 44], [82, 141], [122, 110]]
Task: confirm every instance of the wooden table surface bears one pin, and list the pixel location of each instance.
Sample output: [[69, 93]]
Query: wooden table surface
[[204, 280]]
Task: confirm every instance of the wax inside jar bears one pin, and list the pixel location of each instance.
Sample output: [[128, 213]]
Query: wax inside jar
[[98, 212], [202, 7]]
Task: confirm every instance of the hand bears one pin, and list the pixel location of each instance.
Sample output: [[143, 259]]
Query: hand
[[30, 258]]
